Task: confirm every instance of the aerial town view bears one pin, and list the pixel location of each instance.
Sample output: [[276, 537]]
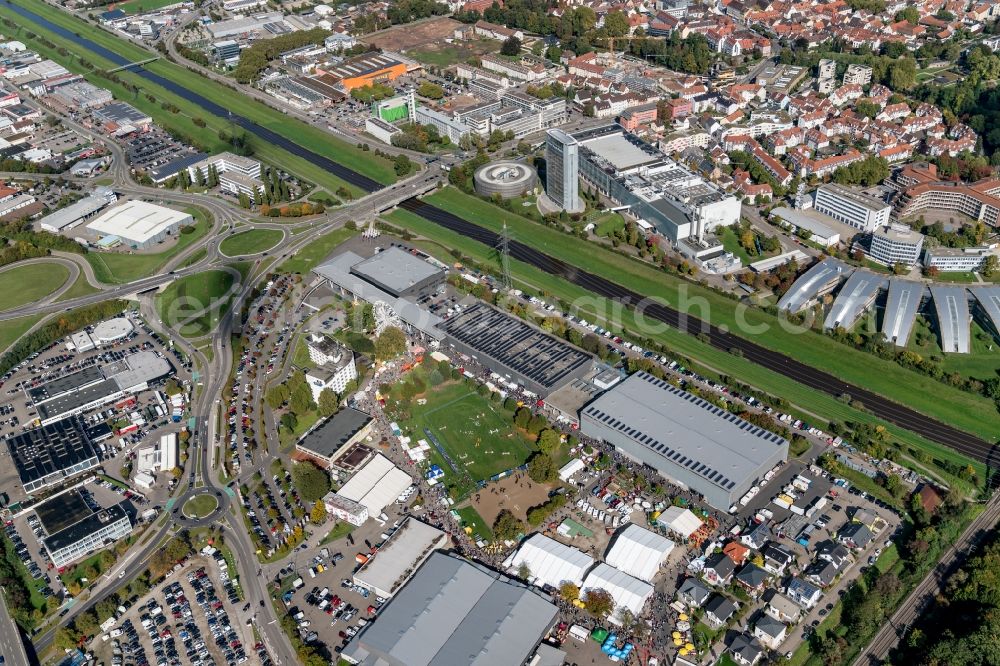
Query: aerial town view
[[499, 332]]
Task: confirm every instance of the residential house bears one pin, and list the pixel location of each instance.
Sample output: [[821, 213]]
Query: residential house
[[693, 593], [718, 610], [718, 569], [832, 552], [770, 631], [753, 579], [757, 537], [783, 609], [777, 558], [930, 498], [736, 551], [855, 535], [803, 593], [746, 650], [821, 572]]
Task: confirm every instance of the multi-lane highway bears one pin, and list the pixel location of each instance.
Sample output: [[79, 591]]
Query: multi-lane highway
[[934, 430]]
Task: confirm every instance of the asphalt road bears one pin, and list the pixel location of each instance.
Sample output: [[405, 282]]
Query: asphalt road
[[11, 645], [934, 430]]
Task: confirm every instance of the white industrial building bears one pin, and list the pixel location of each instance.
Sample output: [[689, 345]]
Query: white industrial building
[[852, 207], [550, 562], [399, 557], [628, 592], [376, 485], [80, 211], [237, 174], [111, 331], [639, 552], [160, 456], [345, 509], [139, 224]]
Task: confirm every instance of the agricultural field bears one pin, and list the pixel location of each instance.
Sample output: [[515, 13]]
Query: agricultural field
[[477, 435]]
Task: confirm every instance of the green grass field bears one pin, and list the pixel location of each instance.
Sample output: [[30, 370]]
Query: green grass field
[[471, 519], [200, 506], [12, 329], [250, 242], [314, 138], [30, 282], [607, 224], [139, 6], [708, 359], [80, 288], [194, 304], [960, 409], [477, 435], [313, 254], [119, 268]]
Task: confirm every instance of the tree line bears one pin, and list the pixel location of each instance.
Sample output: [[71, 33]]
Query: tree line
[[258, 57]]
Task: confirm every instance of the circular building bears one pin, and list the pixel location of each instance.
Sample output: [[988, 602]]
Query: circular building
[[112, 330], [508, 179]]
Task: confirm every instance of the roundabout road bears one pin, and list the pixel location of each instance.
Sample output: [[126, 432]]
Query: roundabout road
[[222, 503]]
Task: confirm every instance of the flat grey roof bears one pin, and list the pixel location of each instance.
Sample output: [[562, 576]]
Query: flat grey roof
[[396, 270], [68, 402], [65, 384], [338, 271], [811, 220], [663, 422], [619, 151], [338, 429], [74, 212], [810, 284], [856, 196], [901, 310], [62, 511], [140, 367], [50, 449], [455, 612], [92, 523], [952, 307], [989, 301], [516, 345], [854, 299], [406, 548]]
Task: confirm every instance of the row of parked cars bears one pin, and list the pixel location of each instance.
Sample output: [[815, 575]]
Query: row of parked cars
[[21, 550]]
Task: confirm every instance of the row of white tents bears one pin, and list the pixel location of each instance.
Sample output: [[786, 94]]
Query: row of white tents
[[630, 564]]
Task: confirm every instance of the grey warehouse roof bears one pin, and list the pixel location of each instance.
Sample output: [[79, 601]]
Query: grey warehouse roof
[[50, 449], [85, 527], [952, 307], [664, 423], [854, 299], [811, 283], [395, 270], [338, 271], [337, 431], [455, 612], [515, 345], [901, 310]]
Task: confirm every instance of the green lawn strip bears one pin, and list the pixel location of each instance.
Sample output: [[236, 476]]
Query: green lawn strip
[[313, 254], [532, 279], [295, 130], [183, 301], [119, 267], [194, 257], [732, 244], [139, 6], [471, 519], [339, 531], [964, 410], [80, 288], [250, 242], [182, 121], [305, 421], [30, 282], [608, 223], [12, 329]]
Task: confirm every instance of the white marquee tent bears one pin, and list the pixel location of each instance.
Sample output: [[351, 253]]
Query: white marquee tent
[[639, 552], [680, 521], [550, 562], [376, 485], [628, 592]]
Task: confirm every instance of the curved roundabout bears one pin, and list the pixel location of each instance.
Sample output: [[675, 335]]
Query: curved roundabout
[[199, 506]]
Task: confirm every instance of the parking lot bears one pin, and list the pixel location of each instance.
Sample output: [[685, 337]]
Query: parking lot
[[116, 428], [192, 618]]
